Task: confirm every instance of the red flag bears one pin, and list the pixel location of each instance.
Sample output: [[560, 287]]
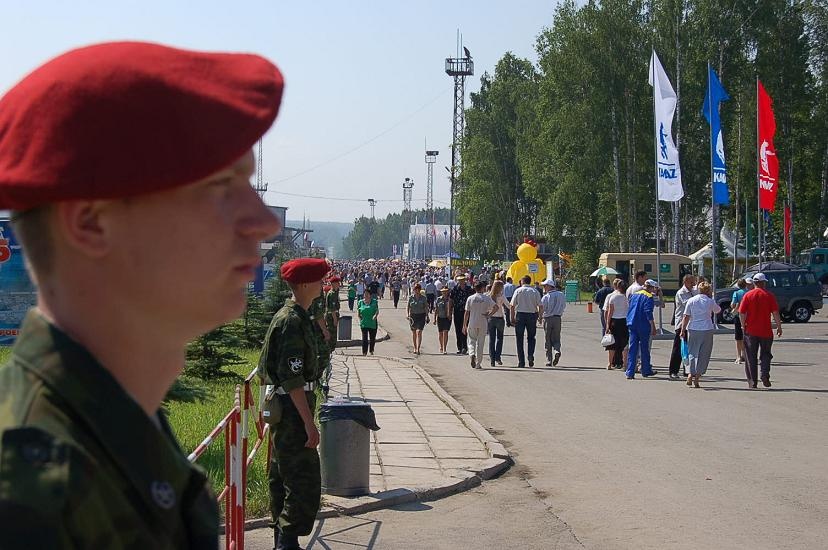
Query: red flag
[[788, 227], [768, 163]]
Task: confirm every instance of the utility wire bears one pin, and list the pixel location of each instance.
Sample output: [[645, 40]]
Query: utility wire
[[366, 142], [345, 199]]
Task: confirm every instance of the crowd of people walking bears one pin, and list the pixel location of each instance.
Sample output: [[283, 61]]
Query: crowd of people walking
[[483, 306], [478, 307]]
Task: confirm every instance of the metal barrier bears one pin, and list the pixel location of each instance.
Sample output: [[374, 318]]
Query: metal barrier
[[235, 426]]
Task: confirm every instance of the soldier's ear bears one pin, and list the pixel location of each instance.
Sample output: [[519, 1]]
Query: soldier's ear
[[83, 226]]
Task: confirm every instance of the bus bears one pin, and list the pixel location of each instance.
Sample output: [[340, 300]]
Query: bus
[[672, 268]]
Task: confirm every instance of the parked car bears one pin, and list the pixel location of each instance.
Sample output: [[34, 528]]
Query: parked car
[[796, 289], [816, 259]]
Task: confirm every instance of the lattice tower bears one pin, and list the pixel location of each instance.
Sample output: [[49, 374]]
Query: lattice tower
[[459, 68], [261, 186]]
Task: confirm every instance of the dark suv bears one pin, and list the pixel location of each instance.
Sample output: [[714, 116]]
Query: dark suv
[[796, 289]]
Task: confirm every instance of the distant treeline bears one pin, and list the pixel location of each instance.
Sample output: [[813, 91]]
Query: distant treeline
[[371, 238]]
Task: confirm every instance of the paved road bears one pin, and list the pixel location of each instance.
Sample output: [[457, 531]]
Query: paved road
[[504, 513], [652, 463]]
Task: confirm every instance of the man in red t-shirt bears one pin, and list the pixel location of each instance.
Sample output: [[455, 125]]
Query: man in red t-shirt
[[755, 311]]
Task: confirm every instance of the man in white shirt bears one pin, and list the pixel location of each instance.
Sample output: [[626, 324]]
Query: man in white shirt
[[479, 307], [508, 292], [553, 304], [682, 295], [525, 308], [640, 277]]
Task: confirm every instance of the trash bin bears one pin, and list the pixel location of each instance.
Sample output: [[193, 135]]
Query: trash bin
[[345, 446], [345, 327]]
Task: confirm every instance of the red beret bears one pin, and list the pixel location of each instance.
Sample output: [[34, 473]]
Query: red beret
[[305, 270], [122, 119]]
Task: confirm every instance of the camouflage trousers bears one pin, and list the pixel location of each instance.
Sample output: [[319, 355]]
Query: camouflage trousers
[[294, 476], [326, 349]]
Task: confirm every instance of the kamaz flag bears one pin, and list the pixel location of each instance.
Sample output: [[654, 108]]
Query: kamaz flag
[[667, 157], [716, 94]]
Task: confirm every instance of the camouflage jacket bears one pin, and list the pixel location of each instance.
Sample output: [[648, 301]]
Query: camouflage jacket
[[82, 465], [290, 355], [331, 306]]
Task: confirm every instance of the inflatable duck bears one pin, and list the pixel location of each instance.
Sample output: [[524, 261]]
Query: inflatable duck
[[527, 263]]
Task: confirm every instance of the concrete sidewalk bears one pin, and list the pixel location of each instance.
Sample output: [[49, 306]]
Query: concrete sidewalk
[[428, 445]]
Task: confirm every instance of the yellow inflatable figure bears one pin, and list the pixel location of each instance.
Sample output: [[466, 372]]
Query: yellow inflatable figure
[[527, 264]]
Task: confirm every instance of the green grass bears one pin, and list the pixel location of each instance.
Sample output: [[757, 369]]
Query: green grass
[[191, 422], [5, 352]]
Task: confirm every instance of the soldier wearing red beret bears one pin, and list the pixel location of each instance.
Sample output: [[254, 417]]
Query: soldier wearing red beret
[[332, 317], [127, 168], [290, 362]]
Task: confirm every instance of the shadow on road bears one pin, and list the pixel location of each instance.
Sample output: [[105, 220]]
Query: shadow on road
[[362, 533], [772, 390]]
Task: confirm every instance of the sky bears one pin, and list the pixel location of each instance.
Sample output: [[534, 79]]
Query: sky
[[365, 83]]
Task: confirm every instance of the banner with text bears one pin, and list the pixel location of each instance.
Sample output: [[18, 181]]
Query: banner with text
[[667, 157], [17, 292], [768, 163], [715, 95]]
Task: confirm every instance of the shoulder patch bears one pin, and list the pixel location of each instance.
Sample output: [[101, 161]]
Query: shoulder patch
[[34, 474], [295, 364]]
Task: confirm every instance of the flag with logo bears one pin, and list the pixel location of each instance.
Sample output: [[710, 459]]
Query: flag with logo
[[715, 95], [768, 163], [667, 158]]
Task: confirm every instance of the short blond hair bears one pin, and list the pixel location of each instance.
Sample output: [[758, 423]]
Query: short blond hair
[[33, 228], [705, 288]]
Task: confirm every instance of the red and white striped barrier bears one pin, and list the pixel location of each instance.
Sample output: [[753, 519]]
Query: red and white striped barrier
[[234, 425]]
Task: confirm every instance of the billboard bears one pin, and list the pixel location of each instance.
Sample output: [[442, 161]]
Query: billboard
[[17, 292]]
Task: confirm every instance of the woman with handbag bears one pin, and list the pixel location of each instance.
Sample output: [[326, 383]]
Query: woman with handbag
[[497, 323], [697, 327], [443, 308], [615, 308], [417, 313]]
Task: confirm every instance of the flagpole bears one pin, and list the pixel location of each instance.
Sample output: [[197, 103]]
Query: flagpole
[[747, 234], [657, 210], [758, 186], [713, 236]]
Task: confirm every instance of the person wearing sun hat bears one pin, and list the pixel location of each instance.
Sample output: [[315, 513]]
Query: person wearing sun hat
[[755, 311], [459, 294], [290, 363], [115, 160]]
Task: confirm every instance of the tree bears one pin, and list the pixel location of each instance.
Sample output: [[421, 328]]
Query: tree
[[497, 131], [371, 238], [209, 355]]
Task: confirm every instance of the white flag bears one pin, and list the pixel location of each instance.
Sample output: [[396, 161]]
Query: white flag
[[667, 157]]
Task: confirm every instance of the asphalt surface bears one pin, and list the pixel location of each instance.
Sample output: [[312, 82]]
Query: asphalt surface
[[647, 463]]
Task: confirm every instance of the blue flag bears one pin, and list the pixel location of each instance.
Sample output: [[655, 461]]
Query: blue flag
[[716, 94]]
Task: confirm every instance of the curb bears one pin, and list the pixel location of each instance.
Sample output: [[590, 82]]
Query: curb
[[462, 480], [499, 460]]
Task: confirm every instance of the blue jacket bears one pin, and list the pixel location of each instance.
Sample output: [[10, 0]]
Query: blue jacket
[[641, 310]]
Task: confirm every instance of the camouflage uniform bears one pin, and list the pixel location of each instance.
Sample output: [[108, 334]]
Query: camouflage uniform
[[82, 465], [316, 311], [290, 359], [331, 307]]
